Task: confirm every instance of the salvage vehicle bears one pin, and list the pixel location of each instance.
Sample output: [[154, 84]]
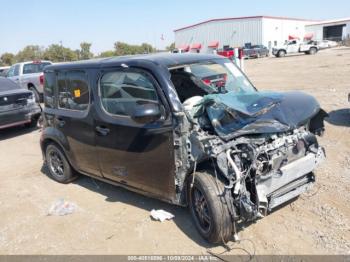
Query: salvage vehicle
[[17, 105], [29, 75], [295, 46], [189, 129]]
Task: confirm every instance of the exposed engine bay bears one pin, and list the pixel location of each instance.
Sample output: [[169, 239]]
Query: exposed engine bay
[[263, 146], [261, 172]]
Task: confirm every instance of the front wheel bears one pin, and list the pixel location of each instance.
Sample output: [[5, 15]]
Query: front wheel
[[209, 209], [313, 51]]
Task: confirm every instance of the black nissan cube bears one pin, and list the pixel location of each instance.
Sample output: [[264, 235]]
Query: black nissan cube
[[189, 129]]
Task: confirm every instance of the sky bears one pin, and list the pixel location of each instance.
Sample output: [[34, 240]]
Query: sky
[[104, 22]]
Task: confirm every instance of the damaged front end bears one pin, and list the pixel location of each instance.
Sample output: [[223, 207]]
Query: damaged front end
[[263, 145]]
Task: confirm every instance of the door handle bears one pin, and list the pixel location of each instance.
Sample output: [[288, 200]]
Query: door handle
[[60, 122], [102, 130]]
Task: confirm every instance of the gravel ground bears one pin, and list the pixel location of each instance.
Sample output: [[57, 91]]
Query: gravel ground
[[110, 220]]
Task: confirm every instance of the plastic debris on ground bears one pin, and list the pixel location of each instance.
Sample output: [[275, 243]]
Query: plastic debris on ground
[[62, 208], [161, 215]]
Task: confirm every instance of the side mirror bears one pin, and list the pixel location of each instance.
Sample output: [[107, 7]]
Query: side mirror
[[146, 113]]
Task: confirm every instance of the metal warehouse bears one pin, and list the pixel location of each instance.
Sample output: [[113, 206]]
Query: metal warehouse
[[236, 32], [335, 30]]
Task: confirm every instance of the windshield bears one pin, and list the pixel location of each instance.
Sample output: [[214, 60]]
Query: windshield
[[220, 76], [33, 68]]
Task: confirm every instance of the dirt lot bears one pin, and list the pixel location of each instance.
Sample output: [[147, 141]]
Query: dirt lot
[[111, 220]]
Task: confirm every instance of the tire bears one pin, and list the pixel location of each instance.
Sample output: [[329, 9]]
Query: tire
[[209, 210], [36, 94], [58, 166], [281, 53], [313, 51]]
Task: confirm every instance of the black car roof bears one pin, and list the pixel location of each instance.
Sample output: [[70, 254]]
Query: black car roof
[[165, 59]]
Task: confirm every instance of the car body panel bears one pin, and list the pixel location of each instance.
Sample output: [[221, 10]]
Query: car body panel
[[14, 106]]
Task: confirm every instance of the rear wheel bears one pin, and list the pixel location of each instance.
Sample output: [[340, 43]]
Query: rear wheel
[[58, 165], [36, 94], [209, 209], [312, 51], [281, 53]]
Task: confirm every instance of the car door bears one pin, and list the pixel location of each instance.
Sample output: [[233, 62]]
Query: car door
[[293, 47], [73, 118], [134, 153]]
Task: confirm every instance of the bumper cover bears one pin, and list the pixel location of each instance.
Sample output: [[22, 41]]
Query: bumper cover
[[19, 116]]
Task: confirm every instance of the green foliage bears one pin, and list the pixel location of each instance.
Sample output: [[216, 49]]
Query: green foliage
[[30, 52], [109, 53], [58, 53], [7, 59], [85, 52], [122, 48], [171, 47]]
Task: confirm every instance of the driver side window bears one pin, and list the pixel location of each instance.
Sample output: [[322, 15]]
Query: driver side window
[[121, 91]]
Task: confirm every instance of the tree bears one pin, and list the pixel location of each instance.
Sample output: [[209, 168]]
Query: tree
[[30, 52], [122, 48], [7, 59], [109, 53], [147, 48], [58, 53], [171, 47], [85, 52]]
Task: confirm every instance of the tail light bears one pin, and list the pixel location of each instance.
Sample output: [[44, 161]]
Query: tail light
[[206, 81], [41, 79]]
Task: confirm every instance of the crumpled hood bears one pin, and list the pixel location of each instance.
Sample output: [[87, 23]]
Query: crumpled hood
[[235, 114]]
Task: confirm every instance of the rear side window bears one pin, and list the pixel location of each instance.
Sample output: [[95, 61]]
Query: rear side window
[[73, 90], [49, 89], [34, 68], [120, 91]]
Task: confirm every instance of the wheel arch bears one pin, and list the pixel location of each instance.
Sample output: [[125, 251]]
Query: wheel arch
[[51, 135], [30, 85], [282, 50], [209, 167]]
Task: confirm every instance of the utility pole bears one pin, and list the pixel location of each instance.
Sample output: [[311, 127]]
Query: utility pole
[[64, 58]]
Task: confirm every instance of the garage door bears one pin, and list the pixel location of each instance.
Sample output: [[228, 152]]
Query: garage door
[[334, 33]]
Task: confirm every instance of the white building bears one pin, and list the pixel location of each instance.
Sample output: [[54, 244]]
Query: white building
[[336, 30], [236, 32]]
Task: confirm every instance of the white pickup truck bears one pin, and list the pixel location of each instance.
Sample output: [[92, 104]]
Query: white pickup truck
[[29, 75], [295, 46]]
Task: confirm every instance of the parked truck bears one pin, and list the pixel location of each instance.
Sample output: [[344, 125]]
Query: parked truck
[[295, 46], [29, 75]]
